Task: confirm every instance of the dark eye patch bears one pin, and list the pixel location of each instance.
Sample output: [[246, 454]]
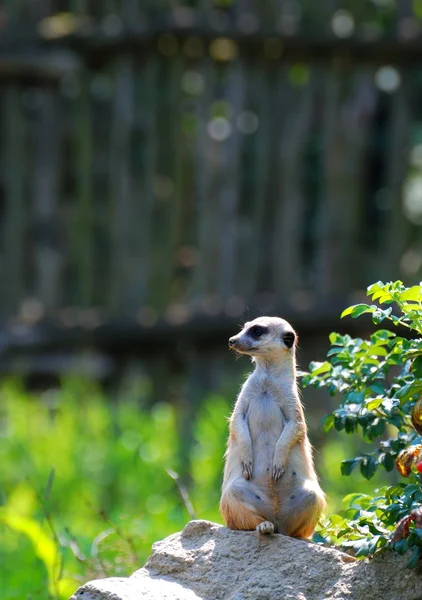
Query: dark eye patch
[[289, 338], [256, 331]]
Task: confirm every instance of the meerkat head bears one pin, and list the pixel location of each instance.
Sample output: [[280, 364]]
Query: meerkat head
[[265, 336]]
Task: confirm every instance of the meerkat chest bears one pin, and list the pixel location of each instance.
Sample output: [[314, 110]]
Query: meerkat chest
[[265, 415]]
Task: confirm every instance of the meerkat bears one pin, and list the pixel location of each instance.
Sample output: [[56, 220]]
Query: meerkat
[[270, 483]]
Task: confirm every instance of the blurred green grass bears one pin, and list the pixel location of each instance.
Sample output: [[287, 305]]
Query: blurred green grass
[[85, 487]]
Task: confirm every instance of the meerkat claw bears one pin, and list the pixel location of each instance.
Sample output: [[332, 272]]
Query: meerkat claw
[[247, 470], [266, 527], [278, 472]]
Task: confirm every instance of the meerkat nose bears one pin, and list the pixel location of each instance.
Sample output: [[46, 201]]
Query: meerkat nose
[[231, 341]]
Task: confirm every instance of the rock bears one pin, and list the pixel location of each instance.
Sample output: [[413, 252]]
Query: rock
[[209, 562]]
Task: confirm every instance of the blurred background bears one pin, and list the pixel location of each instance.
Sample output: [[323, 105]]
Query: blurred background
[[169, 170]]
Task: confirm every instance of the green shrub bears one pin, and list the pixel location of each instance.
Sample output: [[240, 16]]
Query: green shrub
[[87, 484], [380, 383]]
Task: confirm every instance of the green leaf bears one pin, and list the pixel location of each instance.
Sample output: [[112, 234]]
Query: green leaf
[[417, 367], [368, 467], [376, 429], [362, 548], [414, 293], [382, 334], [335, 338], [49, 484], [379, 315], [378, 387], [327, 423], [402, 546], [317, 538], [377, 351], [350, 424], [334, 351], [354, 398], [373, 403], [375, 287], [339, 422], [348, 465], [336, 520], [407, 391], [44, 547], [318, 368], [351, 500], [357, 310], [414, 559], [373, 543], [388, 462]]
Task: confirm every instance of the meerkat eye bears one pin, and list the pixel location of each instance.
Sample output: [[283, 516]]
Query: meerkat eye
[[257, 331], [289, 338]]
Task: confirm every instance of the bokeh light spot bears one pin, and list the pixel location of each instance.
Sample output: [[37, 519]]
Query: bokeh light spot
[[163, 187], [299, 74], [412, 199], [223, 49], [342, 23], [416, 156], [219, 129], [112, 25], [192, 83], [247, 122], [387, 79]]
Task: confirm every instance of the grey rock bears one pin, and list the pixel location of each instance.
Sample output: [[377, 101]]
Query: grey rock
[[209, 562]]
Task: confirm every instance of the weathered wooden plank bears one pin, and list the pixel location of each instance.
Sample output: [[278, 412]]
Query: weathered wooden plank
[[277, 113], [290, 211], [202, 291], [227, 173], [168, 192], [217, 185], [394, 235], [189, 160], [15, 220], [347, 118], [256, 125], [81, 234], [46, 250], [122, 227], [146, 88]]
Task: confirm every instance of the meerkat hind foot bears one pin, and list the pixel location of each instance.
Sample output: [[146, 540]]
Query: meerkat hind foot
[[265, 527]]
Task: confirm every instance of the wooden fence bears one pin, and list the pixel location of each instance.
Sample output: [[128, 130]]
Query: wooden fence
[[169, 166], [169, 169]]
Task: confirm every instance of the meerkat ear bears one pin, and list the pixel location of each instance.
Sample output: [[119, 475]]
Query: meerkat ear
[[289, 338]]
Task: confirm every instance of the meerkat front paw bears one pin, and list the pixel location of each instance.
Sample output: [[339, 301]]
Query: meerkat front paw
[[265, 527], [278, 472], [247, 468]]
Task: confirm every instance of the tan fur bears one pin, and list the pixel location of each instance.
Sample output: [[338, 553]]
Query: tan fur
[[269, 474]]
